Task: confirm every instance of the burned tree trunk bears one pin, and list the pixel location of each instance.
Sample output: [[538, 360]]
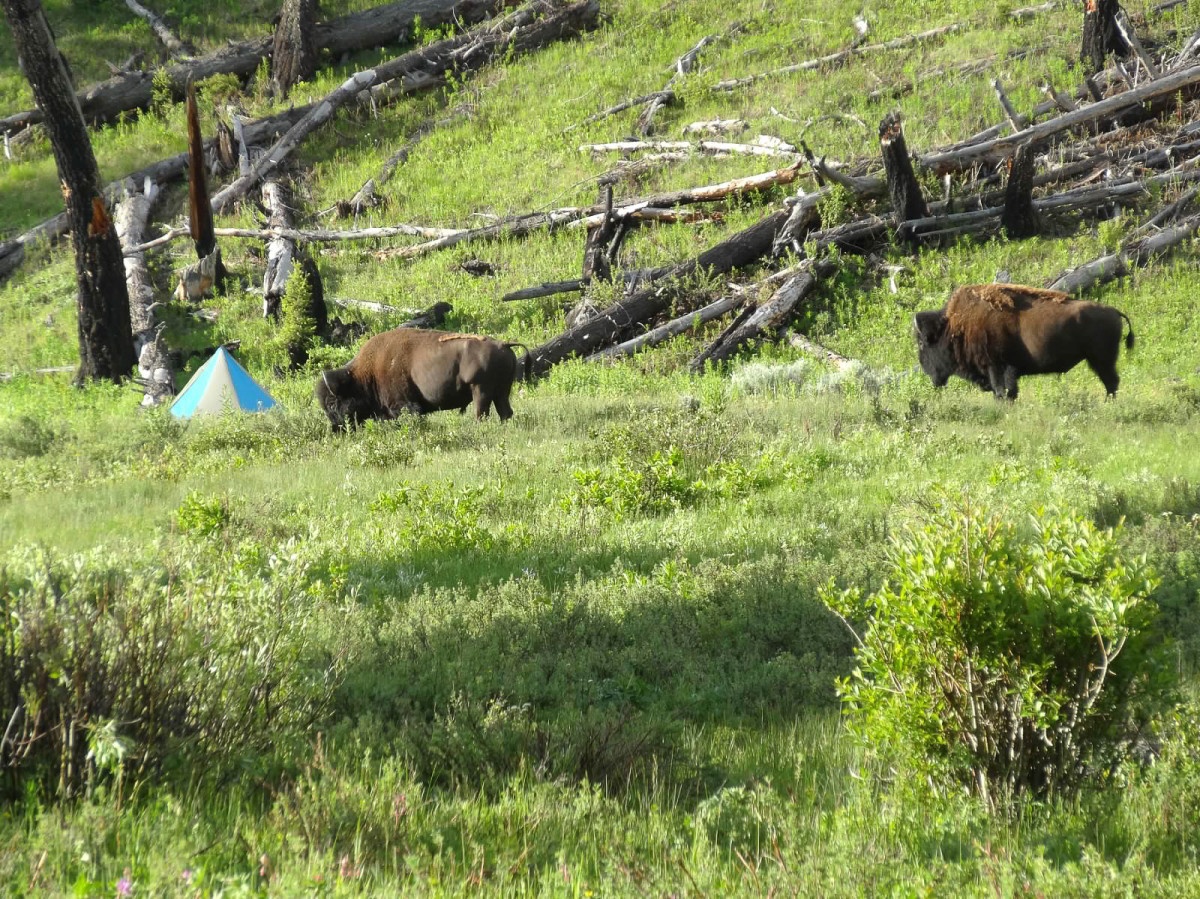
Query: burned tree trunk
[[1019, 218], [597, 260], [1101, 35], [200, 213], [294, 51], [905, 191], [105, 335]]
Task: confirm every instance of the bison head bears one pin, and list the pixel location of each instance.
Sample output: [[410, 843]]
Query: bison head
[[933, 349], [343, 399]]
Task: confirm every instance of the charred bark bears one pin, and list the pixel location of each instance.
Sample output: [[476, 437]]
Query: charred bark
[[105, 334], [905, 191], [1101, 35], [294, 50], [200, 213], [1019, 218]]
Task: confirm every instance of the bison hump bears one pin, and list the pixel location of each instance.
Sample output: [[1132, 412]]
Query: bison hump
[[1010, 297]]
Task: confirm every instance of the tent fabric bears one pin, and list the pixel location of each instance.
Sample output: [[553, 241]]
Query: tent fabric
[[219, 384]]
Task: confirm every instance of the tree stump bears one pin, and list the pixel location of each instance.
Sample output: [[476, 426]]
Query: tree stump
[[907, 199], [1101, 35], [1019, 218], [294, 51]]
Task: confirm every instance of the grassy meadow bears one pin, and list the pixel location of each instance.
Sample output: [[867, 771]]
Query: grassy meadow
[[585, 652]]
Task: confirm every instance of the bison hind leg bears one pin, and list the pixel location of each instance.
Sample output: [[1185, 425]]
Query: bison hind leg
[[483, 401], [1107, 373]]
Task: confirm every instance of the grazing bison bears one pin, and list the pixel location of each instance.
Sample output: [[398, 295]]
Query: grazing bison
[[991, 334], [414, 370]]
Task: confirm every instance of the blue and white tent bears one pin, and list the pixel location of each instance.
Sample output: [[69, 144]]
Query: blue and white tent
[[219, 384]]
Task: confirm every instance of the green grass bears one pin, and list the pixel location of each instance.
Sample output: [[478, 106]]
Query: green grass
[[582, 652]]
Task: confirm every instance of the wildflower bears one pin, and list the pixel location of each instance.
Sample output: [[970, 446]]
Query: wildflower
[[125, 885], [186, 875]]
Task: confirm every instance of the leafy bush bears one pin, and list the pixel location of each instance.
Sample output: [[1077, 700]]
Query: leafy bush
[[27, 436], [437, 517], [195, 667], [202, 515], [1004, 660]]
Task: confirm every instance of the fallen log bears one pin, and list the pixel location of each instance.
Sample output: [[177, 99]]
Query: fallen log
[[703, 146], [806, 346], [161, 30], [733, 253], [771, 315], [104, 102], [517, 33], [53, 370], [1183, 82], [551, 288], [841, 56], [1131, 255], [698, 363], [313, 235], [677, 326]]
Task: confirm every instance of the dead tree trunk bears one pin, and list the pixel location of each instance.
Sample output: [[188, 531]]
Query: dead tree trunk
[[905, 191], [281, 251], [769, 316], [105, 335], [1019, 219], [597, 261], [1101, 35], [695, 319], [154, 361], [738, 251], [294, 50], [200, 214]]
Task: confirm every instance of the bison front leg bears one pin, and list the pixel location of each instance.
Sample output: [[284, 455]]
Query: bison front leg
[[1004, 381]]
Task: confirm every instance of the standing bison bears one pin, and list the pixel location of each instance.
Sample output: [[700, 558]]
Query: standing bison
[[991, 334], [414, 370]]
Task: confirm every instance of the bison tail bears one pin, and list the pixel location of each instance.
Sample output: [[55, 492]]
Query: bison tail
[[1129, 338], [528, 357]]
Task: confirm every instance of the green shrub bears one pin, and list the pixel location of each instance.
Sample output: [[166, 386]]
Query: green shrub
[[298, 330], [438, 517], [191, 667], [27, 437], [201, 515], [1006, 660]]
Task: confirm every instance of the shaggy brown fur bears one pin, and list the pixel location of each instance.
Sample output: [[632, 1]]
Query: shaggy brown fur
[[1013, 297], [991, 334], [414, 370]]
